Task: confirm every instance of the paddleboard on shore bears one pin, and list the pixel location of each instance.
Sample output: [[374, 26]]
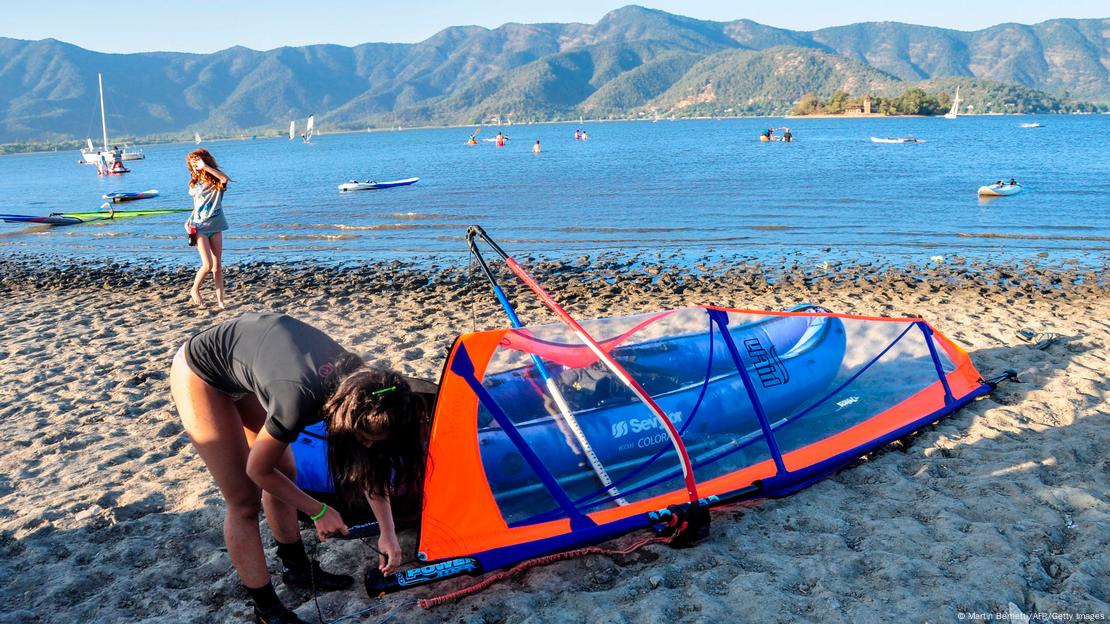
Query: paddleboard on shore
[[371, 185]]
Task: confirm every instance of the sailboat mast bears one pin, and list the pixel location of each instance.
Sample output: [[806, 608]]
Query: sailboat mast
[[103, 119]]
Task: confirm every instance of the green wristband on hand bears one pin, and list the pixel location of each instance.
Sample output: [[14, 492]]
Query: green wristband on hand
[[323, 510]]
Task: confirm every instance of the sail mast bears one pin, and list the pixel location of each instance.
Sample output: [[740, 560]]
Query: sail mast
[[955, 105], [103, 119]]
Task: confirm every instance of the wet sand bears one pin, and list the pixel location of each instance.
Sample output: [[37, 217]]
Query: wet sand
[[108, 515]]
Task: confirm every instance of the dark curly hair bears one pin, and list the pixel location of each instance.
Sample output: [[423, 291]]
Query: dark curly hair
[[377, 402]]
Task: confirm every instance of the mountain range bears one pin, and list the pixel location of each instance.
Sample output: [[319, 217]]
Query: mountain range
[[633, 62]]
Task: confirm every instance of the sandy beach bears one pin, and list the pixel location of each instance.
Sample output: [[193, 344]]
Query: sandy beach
[[108, 515]]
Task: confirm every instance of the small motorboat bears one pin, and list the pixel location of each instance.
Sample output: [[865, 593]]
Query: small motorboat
[[1031, 125], [999, 190]]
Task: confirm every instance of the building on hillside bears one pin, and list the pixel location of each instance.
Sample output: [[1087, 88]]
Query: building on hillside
[[863, 108]]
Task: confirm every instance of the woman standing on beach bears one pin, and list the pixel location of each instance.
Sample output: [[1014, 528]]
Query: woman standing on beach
[[207, 223], [245, 389]]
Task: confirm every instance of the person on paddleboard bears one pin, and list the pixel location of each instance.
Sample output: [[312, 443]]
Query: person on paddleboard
[[207, 223], [245, 389]]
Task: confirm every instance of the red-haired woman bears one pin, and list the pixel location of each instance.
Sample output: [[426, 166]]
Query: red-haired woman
[[245, 389], [207, 222]]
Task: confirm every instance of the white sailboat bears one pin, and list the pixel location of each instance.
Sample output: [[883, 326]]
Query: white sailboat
[[292, 129], [89, 153], [955, 106], [310, 127], [196, 137]]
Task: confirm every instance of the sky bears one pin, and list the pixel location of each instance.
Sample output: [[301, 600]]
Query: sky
[[210, 25]]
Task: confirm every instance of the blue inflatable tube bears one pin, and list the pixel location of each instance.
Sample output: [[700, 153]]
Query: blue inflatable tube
[[704, 397]]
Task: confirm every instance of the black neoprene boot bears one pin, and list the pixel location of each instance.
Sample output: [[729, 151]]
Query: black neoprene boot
[[302, 576], [268, 608], [280, 615], [300, 572]]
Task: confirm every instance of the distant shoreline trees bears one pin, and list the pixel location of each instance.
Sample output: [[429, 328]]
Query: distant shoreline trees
[[998, 98]]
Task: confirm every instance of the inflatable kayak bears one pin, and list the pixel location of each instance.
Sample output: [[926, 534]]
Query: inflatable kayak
[[123, 197], [813, 347], [896, 140], [371, 185], [73, 218], [999, 190]]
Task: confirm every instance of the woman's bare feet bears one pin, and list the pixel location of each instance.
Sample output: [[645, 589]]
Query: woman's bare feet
[[198, 300]]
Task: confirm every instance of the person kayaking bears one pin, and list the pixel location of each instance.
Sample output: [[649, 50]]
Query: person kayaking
[[1013, 182], [499, 141], [207, 223], [473, 138], [245, 389], [536, 147]]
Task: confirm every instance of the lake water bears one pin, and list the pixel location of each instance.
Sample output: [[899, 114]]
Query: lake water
[[698, 189]]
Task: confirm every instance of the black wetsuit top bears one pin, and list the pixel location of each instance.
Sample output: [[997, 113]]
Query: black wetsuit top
[[287, 364]]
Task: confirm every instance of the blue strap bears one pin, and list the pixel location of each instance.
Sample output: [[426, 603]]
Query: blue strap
[[928, 331], [721, 318], [462, 366]]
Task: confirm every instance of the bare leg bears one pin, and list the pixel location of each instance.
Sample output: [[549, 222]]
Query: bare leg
[[204, 249], [281, 516], [216, 256], [214, 425]]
